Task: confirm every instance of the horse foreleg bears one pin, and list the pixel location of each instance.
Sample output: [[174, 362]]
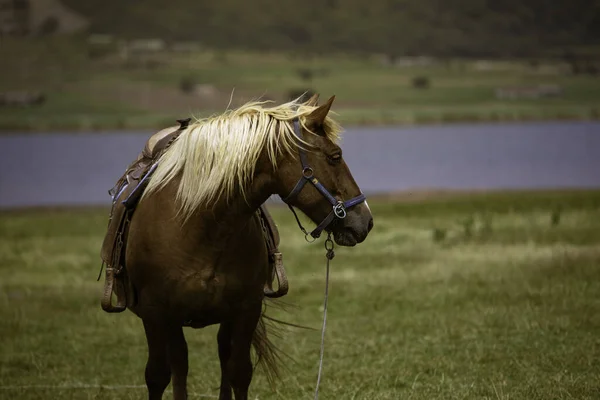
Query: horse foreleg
[[224, 341], [158, 371], [240, 365], [178, 361]]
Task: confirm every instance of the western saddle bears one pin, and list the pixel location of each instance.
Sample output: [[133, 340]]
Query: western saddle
[[126, 194]]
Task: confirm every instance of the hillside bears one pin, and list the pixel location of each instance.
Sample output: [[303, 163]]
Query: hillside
[[394, 27], [389, 62]]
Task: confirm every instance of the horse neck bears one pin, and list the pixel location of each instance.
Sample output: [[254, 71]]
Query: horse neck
[[228, 216]]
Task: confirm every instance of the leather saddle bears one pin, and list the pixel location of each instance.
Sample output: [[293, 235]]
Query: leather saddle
[[126, 193]]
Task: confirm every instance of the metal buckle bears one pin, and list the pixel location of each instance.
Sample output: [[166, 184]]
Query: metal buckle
[[308, 235], [339, 210]]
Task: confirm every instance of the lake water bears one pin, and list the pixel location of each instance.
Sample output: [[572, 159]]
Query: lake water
[[78, 169]]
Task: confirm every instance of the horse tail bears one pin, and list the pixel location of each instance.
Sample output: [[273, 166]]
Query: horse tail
[[268, 356]]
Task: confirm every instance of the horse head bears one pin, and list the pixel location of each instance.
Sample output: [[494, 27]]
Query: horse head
[[317, 180]]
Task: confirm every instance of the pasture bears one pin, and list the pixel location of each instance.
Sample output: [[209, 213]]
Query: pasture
[[145, 90], [460, 296]]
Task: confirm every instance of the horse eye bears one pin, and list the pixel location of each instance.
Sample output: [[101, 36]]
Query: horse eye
[[335, 157]]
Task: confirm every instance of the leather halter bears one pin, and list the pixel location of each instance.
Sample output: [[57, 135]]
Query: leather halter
[[339, 207]]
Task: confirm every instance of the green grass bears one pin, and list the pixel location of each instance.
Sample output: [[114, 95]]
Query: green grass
[[112, 93], [505, 305]]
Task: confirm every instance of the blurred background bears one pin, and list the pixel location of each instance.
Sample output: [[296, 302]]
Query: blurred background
[[134, 67], [472, 126], [98, 64]]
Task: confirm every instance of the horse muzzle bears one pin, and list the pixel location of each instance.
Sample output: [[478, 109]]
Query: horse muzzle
[[353, 229]]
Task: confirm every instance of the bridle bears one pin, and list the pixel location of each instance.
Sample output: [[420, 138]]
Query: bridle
[[339, 207]]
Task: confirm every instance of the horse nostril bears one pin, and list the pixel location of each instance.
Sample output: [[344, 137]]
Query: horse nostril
[[370, 225]]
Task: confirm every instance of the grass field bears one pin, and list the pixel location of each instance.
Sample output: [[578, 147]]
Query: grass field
[[143, 91], [482, 296]]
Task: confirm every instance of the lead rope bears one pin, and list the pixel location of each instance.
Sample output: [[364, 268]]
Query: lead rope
[[330, 254]]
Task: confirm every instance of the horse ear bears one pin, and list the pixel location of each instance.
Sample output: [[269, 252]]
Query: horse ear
[[318, 115], [313, 101]]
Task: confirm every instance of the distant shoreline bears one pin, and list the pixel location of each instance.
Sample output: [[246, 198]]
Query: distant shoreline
[[101, 125], [408, 196]]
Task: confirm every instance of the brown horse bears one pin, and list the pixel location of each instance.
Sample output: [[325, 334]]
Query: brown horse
[[196, 255]]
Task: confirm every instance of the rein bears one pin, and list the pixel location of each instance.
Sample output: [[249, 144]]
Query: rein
[[338, 211]]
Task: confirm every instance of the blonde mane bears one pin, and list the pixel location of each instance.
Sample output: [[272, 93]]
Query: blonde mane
[[216, 156]]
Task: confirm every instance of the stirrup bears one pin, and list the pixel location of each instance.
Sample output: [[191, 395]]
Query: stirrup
[[282, 281], [106, 302]]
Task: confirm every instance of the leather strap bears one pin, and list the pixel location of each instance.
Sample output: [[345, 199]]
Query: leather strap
[[275, 257], [338, 207], [115, 269]]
